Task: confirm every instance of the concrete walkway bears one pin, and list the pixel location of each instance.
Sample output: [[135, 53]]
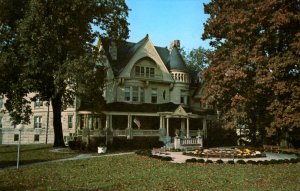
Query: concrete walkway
[[78, 157], [178, 157]]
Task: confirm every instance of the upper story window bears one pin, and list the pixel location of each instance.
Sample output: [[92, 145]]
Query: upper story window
[[134, 94], [142, 71], [184, 97], [154, 95], [37, 122], [70, 121], [38, 103]]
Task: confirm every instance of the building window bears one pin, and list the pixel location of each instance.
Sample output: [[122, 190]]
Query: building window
[[81, 121], [127, 93], [135, 93], [16, 137], [152, 72], [137, 70], [184, 97], [70, 121], [142, 95], [38, 103], [141, 71], [36, 138], [37, 122], [147, 72], [154, 95]]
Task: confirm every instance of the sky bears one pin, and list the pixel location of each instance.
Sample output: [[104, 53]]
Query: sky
[[168, 20]]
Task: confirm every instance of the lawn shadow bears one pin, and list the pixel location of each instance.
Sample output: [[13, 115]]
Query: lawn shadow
[[5, 164]]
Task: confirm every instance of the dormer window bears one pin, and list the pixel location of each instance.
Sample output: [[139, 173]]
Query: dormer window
[[141, 71]]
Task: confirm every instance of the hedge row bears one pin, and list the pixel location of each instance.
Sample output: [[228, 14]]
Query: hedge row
[[148, 153], [119, 143], [293, 160], [223, 155]]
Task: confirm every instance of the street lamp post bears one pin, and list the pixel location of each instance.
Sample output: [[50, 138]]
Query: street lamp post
[[48, 104], [20, 128]]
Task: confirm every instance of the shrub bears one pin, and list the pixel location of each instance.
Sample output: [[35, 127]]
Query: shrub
[[219, 161], [145, 152], [191, 160], [251, 162], [167, 158], [122, 143], [273, 161], [265, 162], [73, 145], [209, 161], [201, 160], [293, 160], [240, 162], [230, 162]]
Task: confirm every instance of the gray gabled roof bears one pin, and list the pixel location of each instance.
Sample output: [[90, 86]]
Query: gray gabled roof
[[126, 50], [176, 60]]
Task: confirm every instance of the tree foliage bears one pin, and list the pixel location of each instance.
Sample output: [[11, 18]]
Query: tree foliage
[[254, 76], [196, 61], [41, 41]]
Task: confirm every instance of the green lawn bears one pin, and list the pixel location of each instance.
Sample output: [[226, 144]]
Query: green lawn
[[28, 154], [133, 172]]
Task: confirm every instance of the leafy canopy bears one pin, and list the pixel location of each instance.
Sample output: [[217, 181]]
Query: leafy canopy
[[254, 77]]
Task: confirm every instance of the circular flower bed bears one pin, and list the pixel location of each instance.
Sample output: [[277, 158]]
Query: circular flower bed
[[226, 153]]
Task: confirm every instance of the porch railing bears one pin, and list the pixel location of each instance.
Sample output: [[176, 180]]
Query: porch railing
[[189, 141]]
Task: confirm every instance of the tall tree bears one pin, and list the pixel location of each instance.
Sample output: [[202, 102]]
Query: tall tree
[[46, 39], [196, 61], [254, 76]]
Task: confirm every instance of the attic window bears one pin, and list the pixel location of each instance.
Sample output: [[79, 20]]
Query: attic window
[[141, 71]]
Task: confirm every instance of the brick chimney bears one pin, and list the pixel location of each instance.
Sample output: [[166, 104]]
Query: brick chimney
[[175, 43]]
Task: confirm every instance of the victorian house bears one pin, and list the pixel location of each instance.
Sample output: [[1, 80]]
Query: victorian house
[[148, 92]]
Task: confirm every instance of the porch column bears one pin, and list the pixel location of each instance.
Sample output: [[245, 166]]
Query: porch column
[[110, 122], [204, 128], [182, 129], [129, 133], [160, 121], [129, 122], [106, 121], [162, 131], [188, 127], [167, 126]]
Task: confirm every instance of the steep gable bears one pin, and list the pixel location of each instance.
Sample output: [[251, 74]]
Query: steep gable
[[146, 49]]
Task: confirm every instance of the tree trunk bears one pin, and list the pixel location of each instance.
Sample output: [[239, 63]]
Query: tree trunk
[[58, 133]]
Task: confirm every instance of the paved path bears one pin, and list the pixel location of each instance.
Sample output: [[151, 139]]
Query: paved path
[[178, 157], [78, 157]]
